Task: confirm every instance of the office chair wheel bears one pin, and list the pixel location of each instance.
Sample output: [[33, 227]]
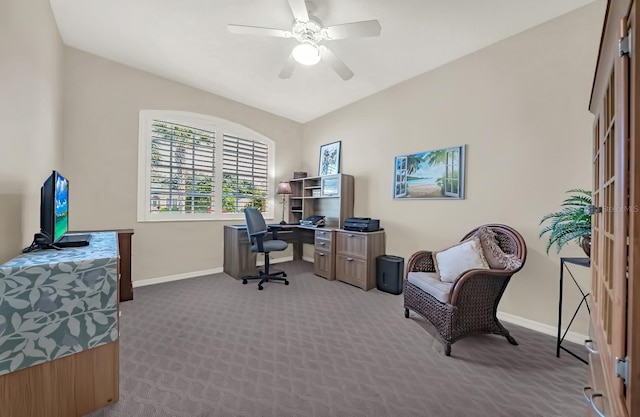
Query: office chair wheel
[[244, 282], [260, 287], [284, 275], [286, 282]]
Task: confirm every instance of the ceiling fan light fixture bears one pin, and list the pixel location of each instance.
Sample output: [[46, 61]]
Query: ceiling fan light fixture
[[306, 54]]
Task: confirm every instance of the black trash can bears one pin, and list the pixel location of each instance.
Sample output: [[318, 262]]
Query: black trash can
[[389, 273]]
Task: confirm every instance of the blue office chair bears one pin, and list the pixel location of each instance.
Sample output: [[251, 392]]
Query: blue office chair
[[257, 230]]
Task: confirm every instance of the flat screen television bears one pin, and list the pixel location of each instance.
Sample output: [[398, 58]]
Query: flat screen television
[[54, 207], [54, 217]]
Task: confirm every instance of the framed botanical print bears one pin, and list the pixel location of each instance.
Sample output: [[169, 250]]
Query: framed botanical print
[[329, 159]]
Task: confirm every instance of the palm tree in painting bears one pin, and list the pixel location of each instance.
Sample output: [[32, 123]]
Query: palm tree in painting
[[430, 158], [413, 162], [436, 157]]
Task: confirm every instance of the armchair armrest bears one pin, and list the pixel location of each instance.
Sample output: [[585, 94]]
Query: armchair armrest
[[479, 281], [420, 262]]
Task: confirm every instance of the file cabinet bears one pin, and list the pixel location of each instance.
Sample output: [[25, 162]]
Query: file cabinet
[[356, 254]]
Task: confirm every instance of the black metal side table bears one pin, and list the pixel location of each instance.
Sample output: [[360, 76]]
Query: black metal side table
[[586, 262]]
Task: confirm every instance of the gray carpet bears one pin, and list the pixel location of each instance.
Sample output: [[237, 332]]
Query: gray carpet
[[212, 347]]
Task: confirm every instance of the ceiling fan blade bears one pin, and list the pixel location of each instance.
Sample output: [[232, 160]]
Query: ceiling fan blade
[[288, 67], [255, 30], [338, 66], [299, 10], [352, 30]]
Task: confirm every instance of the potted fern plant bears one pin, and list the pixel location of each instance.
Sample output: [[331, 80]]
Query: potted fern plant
[[572, 223]]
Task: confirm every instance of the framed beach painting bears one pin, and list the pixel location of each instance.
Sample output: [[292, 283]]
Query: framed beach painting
[[434, 174], [329, 159]]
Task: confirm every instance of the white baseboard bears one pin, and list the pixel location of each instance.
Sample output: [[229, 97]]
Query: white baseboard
[[195, 274], [308, 259], [541, 327], [177, 277]]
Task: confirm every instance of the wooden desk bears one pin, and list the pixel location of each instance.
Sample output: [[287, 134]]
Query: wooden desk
[[239, 261], [59, 330], [341, 254]]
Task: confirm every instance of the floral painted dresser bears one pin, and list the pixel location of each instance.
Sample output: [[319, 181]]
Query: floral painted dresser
[[59, 330]]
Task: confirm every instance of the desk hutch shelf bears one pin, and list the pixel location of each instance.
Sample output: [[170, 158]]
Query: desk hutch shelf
[[329, 195]]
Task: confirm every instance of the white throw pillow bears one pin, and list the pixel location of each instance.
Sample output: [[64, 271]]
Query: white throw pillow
[[450, 263]]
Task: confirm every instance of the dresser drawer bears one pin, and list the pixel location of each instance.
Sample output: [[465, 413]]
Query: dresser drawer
[[598, 388], [351, 270], [323, 265], [352, 244]]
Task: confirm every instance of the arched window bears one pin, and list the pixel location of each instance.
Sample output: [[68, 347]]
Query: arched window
[[197, 167]]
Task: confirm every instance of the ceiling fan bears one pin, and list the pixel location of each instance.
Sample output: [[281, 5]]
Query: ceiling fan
[[310, 32]]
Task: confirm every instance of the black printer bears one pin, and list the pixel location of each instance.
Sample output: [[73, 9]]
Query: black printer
[[361, 224]]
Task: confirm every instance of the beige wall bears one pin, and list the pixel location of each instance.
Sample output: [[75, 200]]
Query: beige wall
[[520, 106], [30, 112], [101, 106]]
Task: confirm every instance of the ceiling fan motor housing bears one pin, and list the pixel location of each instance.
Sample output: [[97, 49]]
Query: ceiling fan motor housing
[[309, 31]]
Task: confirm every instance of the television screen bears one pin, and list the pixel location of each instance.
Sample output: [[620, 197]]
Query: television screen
[[54, 207], [61, 204]]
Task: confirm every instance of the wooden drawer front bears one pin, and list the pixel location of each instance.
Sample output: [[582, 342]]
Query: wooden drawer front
[[351, 244], [323, 265], [351, 270], [598, 388], [324, 234], [323, 244]]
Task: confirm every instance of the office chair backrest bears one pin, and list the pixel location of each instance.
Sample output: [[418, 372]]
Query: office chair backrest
[[255, 222]]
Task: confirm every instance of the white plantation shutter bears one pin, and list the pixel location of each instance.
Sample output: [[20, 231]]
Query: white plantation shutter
[[182, 168], [199, 167], [245, 170]]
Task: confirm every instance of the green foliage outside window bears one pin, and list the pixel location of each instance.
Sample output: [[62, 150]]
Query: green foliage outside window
[[183, 188], [198, 195], [240, 194], [191, 193]]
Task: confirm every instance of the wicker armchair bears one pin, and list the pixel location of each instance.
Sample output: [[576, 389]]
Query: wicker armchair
[[473, 297]]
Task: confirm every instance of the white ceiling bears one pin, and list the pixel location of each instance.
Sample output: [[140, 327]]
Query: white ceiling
[[187, 41]]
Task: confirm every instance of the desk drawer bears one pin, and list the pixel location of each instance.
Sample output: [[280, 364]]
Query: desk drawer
[[285, 234], [323, 244], [323, 265], [324, 234]]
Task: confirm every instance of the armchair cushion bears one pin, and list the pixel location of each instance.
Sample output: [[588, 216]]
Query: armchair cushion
[[494, 255], [451, 262], [430, 283]]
